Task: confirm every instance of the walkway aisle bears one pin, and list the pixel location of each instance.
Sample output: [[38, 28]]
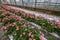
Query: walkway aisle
[[47, 16]]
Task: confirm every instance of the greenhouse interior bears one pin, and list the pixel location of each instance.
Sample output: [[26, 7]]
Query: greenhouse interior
[[29, 19]]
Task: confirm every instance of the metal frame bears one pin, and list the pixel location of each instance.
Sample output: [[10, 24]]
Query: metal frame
[[39, 3]]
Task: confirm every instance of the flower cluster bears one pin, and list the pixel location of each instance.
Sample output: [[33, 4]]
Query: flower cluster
[[50, 26], [16, 26]]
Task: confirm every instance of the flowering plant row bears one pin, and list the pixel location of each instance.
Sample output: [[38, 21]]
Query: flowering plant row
[[18, 28], [50, 26]]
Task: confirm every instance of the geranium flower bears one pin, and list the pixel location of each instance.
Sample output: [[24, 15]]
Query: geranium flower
[[6, 18], [31, 16], [2, 27], [21, 35], [32, 27], [0, 22], [36, 17], [17, 28], [21, 19], [22, 23], [23, 11], [17, 18], [16, 11], [30, 34], [5, 31], [30, 38], [11, 16], [3, 14], [10, 24], [41, 38], [42, 34], [24, 33], [59, 24], [28, 22], [39, 28]]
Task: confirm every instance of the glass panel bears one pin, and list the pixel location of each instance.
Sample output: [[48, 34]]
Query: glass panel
[[12, 2], [54, 1], [8, 1], [18, 2], [58, 1]]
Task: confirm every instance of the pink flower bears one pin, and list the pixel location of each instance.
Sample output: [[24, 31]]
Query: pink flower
[[59, 24], [14, 23], [30, 34], [33, 27], [6, 18], [10, 24], [31, 16], [24, 33], [5, 31], [42, 34], [17, 28], [22, 23], [23, 11], [41, 38], [28, 22], [0, 22], [3, 14], [21, 19], [30, 38], [36, 18], [11, 16], [38, 28], [17, 17], [2, 27], [8, 8], [16, 10]]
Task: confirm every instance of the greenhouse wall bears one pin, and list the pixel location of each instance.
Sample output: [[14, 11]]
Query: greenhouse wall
[[44, 4]]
